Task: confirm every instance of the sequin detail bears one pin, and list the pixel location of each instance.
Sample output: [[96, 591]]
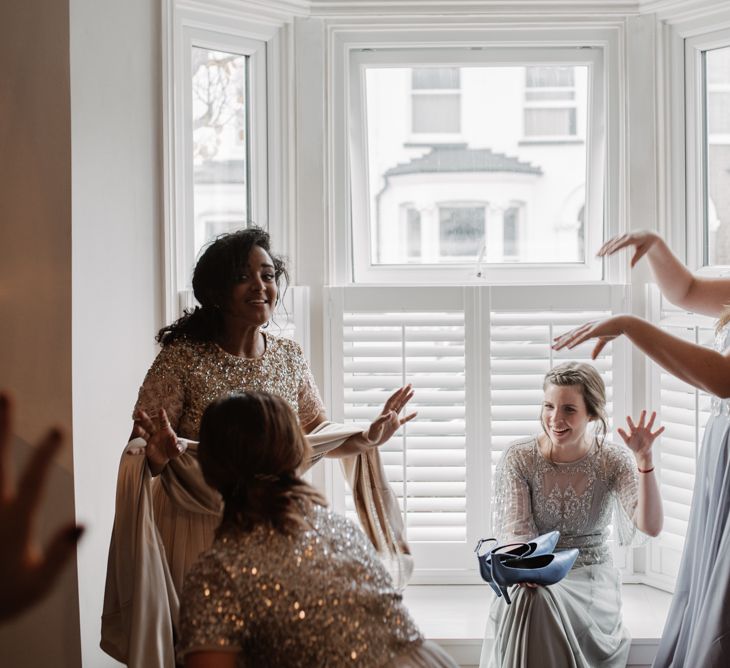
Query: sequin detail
[[318, 598], [579, 499], [186, 376]]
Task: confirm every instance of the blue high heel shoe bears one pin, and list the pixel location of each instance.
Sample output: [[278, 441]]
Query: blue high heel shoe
[[545, 569], [543, 544]]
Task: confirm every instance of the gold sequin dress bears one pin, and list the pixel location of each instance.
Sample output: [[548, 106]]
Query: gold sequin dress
[[319, 597], [184, 378]]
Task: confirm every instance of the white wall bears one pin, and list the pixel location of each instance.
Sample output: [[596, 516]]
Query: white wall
[[35, 290], [115, 123]]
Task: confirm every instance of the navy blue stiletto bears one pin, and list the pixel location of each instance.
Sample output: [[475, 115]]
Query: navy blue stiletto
[[545, 569]]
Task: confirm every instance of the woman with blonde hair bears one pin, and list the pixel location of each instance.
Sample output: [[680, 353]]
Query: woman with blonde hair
[[697, 631], [570, 479], [286, 582]]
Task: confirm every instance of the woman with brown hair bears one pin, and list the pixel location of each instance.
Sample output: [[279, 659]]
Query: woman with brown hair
[[165, 513], [286, 582], [570, 479]]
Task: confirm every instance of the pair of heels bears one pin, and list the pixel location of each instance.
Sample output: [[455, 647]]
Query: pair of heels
[[514, 563]]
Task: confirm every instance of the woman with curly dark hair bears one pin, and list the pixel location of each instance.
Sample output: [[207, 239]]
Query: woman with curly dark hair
[[286, 582], [219, 347]]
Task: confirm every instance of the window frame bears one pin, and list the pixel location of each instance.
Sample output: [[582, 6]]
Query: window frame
[[696, 149], [601, 157], [238, 32]]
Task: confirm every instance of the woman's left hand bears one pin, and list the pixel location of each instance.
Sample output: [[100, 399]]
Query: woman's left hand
[[603, 330], [388, 422], [640, 438]]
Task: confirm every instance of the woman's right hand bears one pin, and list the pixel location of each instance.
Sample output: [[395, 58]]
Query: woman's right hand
[[162, 441], [640, 241]]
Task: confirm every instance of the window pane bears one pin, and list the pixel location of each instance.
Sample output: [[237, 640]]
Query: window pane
[[413, 233], [435, 77], [436, 113], [220, 152], [550, 77], [549, 122], [491, 163], [717, 146], [461, 231]]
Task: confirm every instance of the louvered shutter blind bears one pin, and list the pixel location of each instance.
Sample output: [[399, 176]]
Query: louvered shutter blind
[[426, 461], [521, 355], [684, 413]]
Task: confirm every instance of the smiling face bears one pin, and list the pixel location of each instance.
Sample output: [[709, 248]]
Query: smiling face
[[565, 416], [253, 297]]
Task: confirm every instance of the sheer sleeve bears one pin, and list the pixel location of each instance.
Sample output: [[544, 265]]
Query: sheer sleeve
[[625, 488], [211, 615], [512, 506], [164, 384]]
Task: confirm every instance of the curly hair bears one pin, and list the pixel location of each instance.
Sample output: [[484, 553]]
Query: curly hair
[[217, 271], [251, 450], [592, 387]]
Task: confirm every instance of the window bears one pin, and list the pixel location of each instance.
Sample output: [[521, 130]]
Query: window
[[717, 149], [435, 100], [219, 143], [461, 231], [551, 102], [393, 171], [216, 139]]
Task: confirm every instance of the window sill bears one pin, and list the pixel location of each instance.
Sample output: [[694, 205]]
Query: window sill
[[455, 618]]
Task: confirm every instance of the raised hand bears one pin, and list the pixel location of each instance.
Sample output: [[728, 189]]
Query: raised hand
[[640, 241], [162, 441], [27, 573], [640, 438], [603, 330], [388, 422]]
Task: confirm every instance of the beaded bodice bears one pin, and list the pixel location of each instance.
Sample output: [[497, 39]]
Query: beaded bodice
[[580, 499], [187, 375], [320, 597]]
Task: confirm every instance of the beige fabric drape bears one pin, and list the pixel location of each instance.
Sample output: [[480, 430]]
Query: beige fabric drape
[[161, 525]]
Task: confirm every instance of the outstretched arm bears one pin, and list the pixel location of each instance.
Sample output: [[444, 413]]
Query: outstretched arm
[[697, 365], [648, 516], [678, 284]]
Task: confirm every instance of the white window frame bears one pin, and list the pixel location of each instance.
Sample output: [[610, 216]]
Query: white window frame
[[696, 159], [602, 158], [261, 34]]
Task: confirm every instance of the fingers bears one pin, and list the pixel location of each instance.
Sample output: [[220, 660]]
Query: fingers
[[34, 477], [600, 345], [408, 418], [145, 423], [573, 337], [658, 432], [637, 256], [613, 245], [623, 435], [397, 401], [163, 424], [58, 552], [6, 418], [642, 418], [650, 424], [630, 422]]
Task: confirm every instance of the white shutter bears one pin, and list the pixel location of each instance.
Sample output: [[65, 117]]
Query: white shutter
[[684, 413], [521, 355], [476, 357]]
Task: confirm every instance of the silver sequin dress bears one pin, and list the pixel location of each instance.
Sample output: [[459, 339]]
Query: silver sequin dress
[[184, 378], [319, 597], [576, 622]]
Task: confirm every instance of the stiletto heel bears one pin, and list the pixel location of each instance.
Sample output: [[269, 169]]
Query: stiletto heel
[[545, 569], [505, 593]]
